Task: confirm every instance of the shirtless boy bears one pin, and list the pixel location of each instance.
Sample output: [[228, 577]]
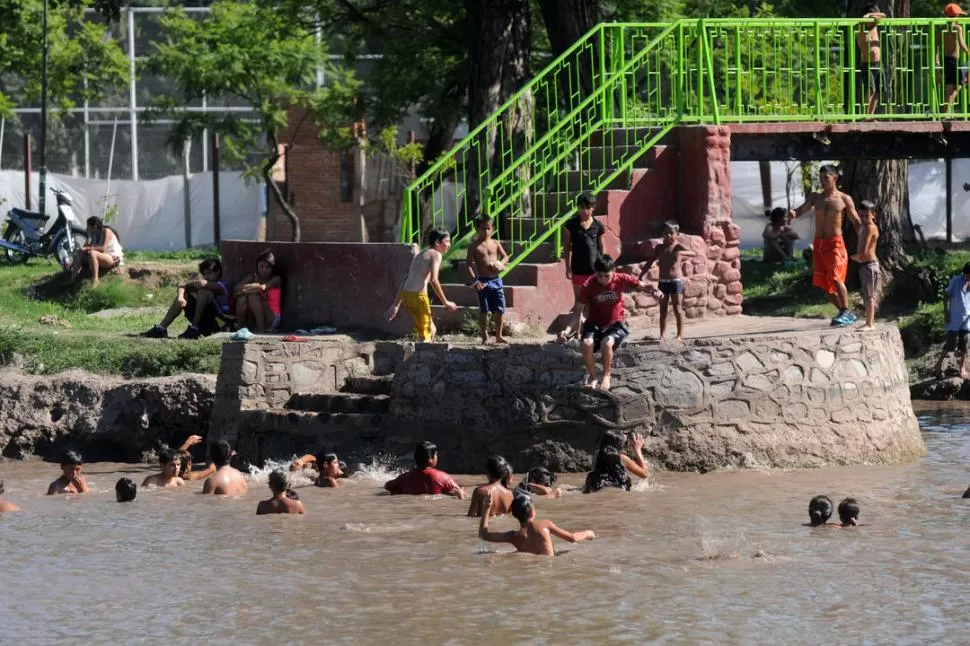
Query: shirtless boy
[[831, 261], [486, 260], [672, 283], [171, 462], [284, 501], [868, 234], [953, 44], [533, 536], [499, 474], [870, 55], [71, 481], [185, 470], [226, 481], [602, 296], [414, 290], [329, 468], [4, 505]]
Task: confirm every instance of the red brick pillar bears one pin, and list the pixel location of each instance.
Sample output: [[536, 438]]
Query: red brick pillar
[[705, 210]]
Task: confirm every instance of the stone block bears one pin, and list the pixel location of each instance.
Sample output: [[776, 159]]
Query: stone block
[[731, 253], [518, 375], [250, 369], [733, 288], [732, 310], [720, 291], [714, 253], [695, 288], [749, 364], [733, 299], [305, 375], [730, 275], [680, 388], [720, 267], [825, 358], [732, 410]]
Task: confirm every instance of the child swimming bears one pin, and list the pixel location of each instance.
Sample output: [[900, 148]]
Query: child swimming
[[539, 481], [71, 481], [125, 490], [171, 462], [849, 512], [284, 500], [4, 505], [533, 536], [499, 474], [819, 511], [329, 468], [612, 467]]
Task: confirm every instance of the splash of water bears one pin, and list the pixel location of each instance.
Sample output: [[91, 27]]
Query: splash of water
[[380, 470], [260, 475]]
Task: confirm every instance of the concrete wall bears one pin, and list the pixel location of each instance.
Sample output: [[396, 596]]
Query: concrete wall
[[325, 283]]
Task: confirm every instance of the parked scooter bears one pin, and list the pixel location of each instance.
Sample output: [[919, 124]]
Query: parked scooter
[[24, 236]]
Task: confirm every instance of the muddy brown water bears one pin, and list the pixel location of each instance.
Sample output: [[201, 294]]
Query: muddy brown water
[[716, 558]]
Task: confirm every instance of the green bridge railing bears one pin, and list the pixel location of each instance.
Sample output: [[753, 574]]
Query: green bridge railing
[[584, 122]]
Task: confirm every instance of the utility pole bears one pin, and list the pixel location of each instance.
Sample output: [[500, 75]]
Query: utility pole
[[42, 193]]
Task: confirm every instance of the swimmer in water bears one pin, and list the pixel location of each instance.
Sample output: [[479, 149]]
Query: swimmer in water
[[284, 500], [125, 490], [171, 462], [849, 512], [425, 478], [227, 480], [612, 466], [186, 472], [533, 536], [539, 481], [4, 505], [499, 474], [71, 481], [329, 468], [819, 511]]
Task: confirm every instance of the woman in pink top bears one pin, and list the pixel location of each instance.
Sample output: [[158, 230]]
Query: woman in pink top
[[258, 296]]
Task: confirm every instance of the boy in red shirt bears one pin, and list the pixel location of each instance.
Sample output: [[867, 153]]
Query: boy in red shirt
[[424, 478], [602, 298]]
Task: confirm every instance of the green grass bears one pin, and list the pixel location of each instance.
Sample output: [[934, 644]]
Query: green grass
[[70, 337]]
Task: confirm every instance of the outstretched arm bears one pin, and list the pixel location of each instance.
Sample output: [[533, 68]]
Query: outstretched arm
[[189, 442], [572, 537], [199, 475], [850, 211], [804, 208], [483, 533], [302, 461]]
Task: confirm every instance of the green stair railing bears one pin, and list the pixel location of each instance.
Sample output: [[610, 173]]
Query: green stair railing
[[586, 120]]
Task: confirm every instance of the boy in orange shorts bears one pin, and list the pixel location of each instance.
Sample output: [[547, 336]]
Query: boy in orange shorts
[[414, 290]]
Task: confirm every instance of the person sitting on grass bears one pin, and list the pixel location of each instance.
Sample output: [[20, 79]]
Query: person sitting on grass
[[259, 296], [203, 301], [329, 468], [4, 505], [71, 480], [186, 472], [102, 251], [499, 474], [533, 536], [171, 462], [425, 478], [284, 500], [779, 238]]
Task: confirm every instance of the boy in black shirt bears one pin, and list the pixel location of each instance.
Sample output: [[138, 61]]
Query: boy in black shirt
[[583, 243]]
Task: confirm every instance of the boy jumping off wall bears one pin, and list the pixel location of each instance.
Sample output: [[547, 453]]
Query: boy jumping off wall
[[414, 290]]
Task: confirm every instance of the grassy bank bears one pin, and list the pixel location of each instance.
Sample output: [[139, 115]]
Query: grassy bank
[[47, 326]]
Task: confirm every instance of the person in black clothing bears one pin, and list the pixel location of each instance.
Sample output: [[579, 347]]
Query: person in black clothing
[[583, 244]]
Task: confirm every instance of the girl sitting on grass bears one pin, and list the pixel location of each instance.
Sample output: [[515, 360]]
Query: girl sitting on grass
[[101, 251]]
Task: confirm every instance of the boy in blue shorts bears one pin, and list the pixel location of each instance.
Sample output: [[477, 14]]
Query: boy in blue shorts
[[486, 260], [956, 316]]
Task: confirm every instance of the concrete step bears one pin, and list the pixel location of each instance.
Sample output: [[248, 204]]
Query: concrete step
[[370, 385], [465, 296], [279, 429], [339, 403]]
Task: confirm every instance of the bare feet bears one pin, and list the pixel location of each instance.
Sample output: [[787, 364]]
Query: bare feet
[[680, 337], [484, 340], [605, 385], [590, 382], [868, 327], [501, 339]]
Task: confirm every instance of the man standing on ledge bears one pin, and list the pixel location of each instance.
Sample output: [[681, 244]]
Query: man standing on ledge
[[831, 258]]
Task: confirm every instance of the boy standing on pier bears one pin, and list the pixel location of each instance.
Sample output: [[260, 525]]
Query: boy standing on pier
[[869, 273], [672, 284], [414, 290], [956, 316], [486, 260]]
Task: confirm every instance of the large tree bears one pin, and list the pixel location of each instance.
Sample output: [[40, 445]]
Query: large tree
[[253, 54]]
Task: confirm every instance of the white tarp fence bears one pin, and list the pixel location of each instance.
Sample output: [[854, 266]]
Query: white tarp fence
[[151, 213]]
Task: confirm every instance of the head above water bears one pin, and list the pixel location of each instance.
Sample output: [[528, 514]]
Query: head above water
[[439, 239], [849, 511], [608, 471], [71, 459], [220, 452], [613, 439], [497, 468], [523, 508], [278, 482], [329, 465], [819, 510], [125, 490], [540, 476], [185, 463], [425, 454]]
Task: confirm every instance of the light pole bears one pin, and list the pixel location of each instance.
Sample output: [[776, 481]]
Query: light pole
[[42, 193]]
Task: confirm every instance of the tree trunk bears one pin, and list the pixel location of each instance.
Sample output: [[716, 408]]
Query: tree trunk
[[277, 192], [566, 22], [882, 181], [500, 35]]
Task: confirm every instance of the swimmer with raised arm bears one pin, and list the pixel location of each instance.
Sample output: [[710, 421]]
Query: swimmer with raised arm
[[539, 481], [329, 468], [612, 466], [533, 536], [185, 470], [171, 463], [71, 481], [4, 505], [499, 474], [284, 500], [227, 480]]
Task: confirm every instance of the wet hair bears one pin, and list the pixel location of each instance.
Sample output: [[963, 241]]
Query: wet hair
[[125, 490], [849, 511], [186, 465], [211, 264], [71, 458], [540, 476], [482, 220], [498, 468], [522, 506], [604, 264], [278, 481], [585, 200], [169, 455], [819, 510], [612, 439], [866, 205], [608, 471], [220, 452], [267, 257], [673, 226], [437, 235], [829, 169], [423, 453], [778, 215]]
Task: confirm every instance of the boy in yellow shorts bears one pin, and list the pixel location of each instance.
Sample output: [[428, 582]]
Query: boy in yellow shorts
[[414, 290]]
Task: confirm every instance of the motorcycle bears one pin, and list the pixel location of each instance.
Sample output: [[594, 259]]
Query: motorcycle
[[24, 236]]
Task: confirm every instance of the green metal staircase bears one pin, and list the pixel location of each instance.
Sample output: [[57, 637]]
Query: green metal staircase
[[585, 121]]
